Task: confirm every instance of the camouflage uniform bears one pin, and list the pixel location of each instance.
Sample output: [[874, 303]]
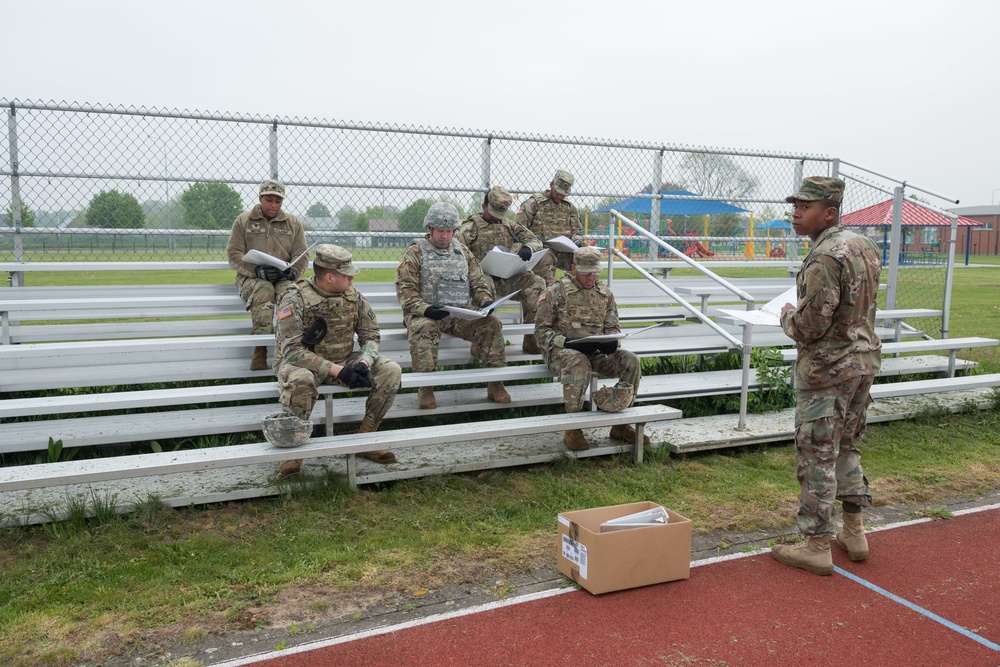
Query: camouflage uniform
[[417, 289], [568, 310], [839, 354], [547, 219], [301, 369], [282, 237], [480, 236]]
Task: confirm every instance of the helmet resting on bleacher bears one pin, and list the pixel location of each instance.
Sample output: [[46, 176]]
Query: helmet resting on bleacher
[[614, 399], [284, 429]]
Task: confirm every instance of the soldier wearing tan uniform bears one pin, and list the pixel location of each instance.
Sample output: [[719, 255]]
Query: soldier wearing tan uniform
[[575, 306], [548, 215], [317, 322], [481, 233], [438, 271], [268, 229], [839, 354]]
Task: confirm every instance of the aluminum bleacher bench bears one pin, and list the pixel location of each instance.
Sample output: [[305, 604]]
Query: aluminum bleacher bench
[[951, 345]]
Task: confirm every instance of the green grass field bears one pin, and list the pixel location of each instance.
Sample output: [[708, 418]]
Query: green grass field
[[116, 585]]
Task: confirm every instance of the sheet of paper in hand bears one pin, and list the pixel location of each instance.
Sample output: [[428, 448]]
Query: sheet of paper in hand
[[561, 244], [502, 264], [769, 314], [263, 259], [604, 338], [474, 314]]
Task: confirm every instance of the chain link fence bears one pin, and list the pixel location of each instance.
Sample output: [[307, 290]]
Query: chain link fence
[[84, 183]]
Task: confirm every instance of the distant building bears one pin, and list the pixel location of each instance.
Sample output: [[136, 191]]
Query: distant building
[[984, 240], [385, 234]]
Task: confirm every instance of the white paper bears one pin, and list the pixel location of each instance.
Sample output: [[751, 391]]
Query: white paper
[[770, 313], [651, 517], [255, 256], [561, 244], [473, 314], [502, 264], [604, 338]]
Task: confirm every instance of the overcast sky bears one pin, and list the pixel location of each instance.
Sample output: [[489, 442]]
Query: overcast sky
[[906, 89]]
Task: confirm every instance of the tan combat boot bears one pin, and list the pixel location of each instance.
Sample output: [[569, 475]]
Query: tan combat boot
[[474, 349], [530, 345], [495, 392], [626, 433], [289, 468], [813, 555], [425, 397], [383, 456], [852, 538], [574, 440], [258, 362]]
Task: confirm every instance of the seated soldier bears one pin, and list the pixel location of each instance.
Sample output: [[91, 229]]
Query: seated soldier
[[578, 305]]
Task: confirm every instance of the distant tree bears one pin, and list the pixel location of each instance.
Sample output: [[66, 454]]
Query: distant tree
[[318, 210], [210, 206], [345, 218], [411, 219], [114, 210], [27, 216], [362, 223], [718, 176]]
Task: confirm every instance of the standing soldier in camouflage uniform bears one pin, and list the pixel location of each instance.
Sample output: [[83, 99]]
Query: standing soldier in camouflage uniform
[[481, 233], [268, 229], [317, 321], [839, 354], [578, 305], [548, 215], [439, 271]]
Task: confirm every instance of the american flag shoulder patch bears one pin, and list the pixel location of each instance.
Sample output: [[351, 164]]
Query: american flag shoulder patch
[[285, 312]]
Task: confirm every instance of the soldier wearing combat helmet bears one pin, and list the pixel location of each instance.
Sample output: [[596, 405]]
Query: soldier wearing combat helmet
[[839, 354], [548, 215], [578, 305], [491, 228], [317, 322], [267, 228], [438, 271]]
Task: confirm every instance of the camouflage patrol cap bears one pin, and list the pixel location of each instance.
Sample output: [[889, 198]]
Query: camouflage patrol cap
[[498, 201], [587, 259], [284, 429], [815, 188], [272, 187], [562, 182], [614, 399], [442, 215], [330, 256]]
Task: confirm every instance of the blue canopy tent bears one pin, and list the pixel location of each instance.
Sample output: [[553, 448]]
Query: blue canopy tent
[[644, 206]]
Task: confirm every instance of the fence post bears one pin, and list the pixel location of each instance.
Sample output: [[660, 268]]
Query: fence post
[[654, 209], [487, 157], [273, 148], [16, 277], [895, 249]]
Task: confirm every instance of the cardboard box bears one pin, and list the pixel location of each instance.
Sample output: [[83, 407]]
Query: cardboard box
[[612, 561]]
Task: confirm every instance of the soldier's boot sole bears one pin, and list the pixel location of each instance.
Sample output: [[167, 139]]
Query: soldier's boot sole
[[626, 433], [258, 360], [852, 538], [575, 441], [289, 468], [496, 392], [813, 555], [425, 398]]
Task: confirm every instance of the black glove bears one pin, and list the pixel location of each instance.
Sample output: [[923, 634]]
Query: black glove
[[524, 252], [316, 333], [486, 305], [607, 348], [355, 377], [581, 346], [436, 312], [580, 244], [289, 274], [268, 273]]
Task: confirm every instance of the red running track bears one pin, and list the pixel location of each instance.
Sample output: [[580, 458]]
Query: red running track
[[929, 594]]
